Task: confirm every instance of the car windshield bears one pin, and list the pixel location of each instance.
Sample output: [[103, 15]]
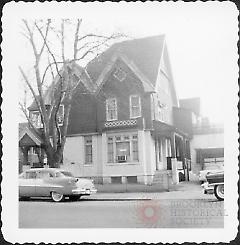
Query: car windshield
[[68, 174]]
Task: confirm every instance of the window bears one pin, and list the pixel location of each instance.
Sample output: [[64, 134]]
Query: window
[[122, 148], [60, 115], [44, 175], [111, 109], [161, 111], [135, 106], [30, 175], [116, 180], [110, 150], [135, 147], [88, 149], [36, 119], [131, 179], [119, 74]]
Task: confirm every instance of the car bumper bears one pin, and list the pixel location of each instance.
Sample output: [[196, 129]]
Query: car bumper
[[84, 191], [208, 189]]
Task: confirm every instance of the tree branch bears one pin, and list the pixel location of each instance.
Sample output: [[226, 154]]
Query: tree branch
[[31, 88], [79, 21]]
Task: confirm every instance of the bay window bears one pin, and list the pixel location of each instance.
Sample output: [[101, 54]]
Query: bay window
[[122, 148]]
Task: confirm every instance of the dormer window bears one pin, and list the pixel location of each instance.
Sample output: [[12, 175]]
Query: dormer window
[[135, 106], [36, 119], [119, 74], [111, 109]]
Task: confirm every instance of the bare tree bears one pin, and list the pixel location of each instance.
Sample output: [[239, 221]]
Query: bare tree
[[60, 70]]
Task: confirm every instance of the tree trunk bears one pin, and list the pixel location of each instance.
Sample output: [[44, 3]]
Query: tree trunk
[[53, 159]]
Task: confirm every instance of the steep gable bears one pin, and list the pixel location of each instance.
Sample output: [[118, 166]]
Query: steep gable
[[79, 74], [145, 53]]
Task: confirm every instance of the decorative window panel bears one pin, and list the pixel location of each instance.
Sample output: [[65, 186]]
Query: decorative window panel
[[119, 74]]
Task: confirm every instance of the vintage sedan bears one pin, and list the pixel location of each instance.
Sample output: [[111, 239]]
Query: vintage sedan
[[54, 183], [215, 182]]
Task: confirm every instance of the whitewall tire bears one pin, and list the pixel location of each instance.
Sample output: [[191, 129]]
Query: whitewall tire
[[57, 197], [219, 192]]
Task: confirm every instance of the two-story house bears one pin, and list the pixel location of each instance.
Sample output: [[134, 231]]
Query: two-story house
[[123, 130]]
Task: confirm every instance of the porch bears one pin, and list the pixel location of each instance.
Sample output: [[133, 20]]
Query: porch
[[31, 152], [172, 149]]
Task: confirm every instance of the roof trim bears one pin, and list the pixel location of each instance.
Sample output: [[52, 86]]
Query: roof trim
[[148, 87], [27, 131]]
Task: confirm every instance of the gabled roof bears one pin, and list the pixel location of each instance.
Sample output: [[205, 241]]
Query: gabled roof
[[147, 85], [24, 129], [145, 53], [78, 71]]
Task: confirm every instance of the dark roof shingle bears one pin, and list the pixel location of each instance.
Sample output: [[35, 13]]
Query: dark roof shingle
[[145, 53]]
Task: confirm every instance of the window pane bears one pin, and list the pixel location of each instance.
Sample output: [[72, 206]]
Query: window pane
[[135, 106], [135, 150], [110, 152], [88, 149], [135, 101], [111, 109], [123, 148]]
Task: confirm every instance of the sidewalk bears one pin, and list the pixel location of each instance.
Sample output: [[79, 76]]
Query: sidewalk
[[184, 190]]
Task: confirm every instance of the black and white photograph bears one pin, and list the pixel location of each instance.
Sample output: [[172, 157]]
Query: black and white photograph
[[120, 116]]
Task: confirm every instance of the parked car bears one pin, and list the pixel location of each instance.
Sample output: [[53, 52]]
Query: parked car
[[203, 173], [54, 183], [215, 181]]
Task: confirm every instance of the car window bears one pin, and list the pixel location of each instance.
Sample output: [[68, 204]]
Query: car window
[[30, 175], [43, 175], [58, 174], [67, 174], [22, 176]]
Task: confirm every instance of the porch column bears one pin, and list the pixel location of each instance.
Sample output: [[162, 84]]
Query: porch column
[[175, 177], [173, 145], [25, 150]]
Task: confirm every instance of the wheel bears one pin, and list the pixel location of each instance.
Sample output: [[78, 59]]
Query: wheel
[[219, 192], [74, 198], [57, 197]]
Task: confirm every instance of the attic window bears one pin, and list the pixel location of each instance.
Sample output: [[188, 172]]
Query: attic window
[[119, 74]]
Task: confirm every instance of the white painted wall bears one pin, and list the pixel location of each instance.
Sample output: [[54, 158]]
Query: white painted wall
[[74, 158]]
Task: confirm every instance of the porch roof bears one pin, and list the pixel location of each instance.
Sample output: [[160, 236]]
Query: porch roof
[[28, 137], [166, 130]]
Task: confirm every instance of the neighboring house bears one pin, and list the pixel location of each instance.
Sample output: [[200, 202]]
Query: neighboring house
[[207, 139], [30, 148], [122, 129]]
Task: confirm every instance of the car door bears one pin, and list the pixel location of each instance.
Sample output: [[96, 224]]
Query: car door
[[43, 183], [27, 182]]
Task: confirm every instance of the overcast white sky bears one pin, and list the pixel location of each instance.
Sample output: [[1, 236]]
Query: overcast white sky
[[201, 38]]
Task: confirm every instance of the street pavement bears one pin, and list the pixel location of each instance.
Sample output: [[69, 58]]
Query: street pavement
[[184, 207]]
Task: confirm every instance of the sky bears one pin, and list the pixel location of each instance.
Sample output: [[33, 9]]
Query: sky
[[201, 40]]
